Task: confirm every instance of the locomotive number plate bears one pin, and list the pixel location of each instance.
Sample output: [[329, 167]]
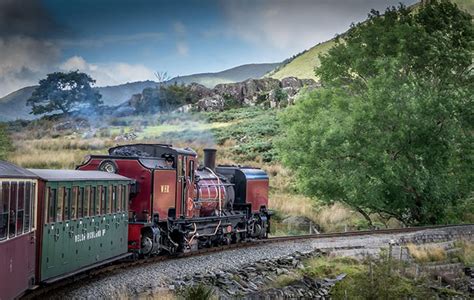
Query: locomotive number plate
[[165, 188]]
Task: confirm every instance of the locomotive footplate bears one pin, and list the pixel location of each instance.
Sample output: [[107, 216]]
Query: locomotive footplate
[[209, 231]]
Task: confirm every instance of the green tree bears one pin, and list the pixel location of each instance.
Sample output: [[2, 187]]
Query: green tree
[[391, 130], [4, 143], [64, 92]]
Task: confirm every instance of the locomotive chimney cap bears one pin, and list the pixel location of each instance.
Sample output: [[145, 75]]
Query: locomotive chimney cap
[[210, 158]]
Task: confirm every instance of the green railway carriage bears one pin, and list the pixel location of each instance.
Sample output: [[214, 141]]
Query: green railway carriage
[[83, 221]]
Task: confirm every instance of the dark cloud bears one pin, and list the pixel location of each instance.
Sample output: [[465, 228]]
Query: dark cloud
[[26, 17], [26, 50]]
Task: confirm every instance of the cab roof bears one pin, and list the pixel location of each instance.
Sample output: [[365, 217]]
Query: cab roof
[[76, 175], [9, 170]]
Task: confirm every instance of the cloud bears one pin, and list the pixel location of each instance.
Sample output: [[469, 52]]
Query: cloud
[[111, 39], [110, 73], [23, 60], [293, 25], [182, 48], [25, 17], [179, 27]]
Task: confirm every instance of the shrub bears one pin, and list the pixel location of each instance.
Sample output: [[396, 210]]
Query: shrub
[[196, 292]]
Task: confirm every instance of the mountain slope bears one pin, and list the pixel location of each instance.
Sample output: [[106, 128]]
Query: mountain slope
[[303, 65], [232, 75], [13, 106]]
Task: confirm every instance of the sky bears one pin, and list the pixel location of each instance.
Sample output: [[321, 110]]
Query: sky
[[119, 41]]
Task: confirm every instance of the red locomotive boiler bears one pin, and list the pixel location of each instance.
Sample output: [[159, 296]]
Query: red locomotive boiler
[[178, 206]]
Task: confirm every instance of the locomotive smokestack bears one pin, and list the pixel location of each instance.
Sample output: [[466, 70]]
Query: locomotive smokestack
[[210, 158]]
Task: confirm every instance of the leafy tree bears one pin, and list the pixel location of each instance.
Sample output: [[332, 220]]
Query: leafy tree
[[391, 131], [4, 143], [164, 98], [64, 92]]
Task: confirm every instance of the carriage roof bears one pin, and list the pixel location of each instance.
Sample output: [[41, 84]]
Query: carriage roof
[[9, 170]]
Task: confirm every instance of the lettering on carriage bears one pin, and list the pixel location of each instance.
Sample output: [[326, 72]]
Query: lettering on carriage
[[89, 236], [165, 188]]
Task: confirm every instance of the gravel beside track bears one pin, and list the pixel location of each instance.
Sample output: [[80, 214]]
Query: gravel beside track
[[155, 277]]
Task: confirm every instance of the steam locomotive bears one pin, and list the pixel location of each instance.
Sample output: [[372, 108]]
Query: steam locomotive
[[177, 206], [139, 200]]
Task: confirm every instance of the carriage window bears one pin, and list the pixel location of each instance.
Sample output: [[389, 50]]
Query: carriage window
[[28, 196], [95, 201], [102, 199], [87, 195], [74, 199], [119, 198], [114, 199], [13, 209], [109, 198], [53, 202], [33, 198], [80, 203], [126, 197], [4, 201], [20, 213]]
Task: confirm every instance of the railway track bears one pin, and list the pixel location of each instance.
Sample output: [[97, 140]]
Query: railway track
[[111, 268]]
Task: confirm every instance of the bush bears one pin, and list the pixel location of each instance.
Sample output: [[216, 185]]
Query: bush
[[5, 144], [196, 292]]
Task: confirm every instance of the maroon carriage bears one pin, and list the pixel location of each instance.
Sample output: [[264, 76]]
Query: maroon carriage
[[18, 194]]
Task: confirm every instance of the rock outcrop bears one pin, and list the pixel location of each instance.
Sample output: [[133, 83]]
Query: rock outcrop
[[265, 92]]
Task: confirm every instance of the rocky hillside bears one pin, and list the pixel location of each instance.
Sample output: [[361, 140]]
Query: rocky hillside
[[266, 92]]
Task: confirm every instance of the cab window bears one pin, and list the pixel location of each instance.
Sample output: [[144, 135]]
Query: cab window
[[191, 170]]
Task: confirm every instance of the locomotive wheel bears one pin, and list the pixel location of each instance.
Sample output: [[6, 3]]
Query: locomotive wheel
[[147, 245]]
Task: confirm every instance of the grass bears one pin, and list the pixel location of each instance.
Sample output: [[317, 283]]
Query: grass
[[466, 253], [427, 253], [303, 65], [466, 5], [330, 267], [367, 279]]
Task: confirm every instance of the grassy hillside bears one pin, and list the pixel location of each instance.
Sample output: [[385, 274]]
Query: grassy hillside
[[303, 65]]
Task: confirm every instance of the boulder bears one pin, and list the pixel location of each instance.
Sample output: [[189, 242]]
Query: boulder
[[200, 91], [211, 103]]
